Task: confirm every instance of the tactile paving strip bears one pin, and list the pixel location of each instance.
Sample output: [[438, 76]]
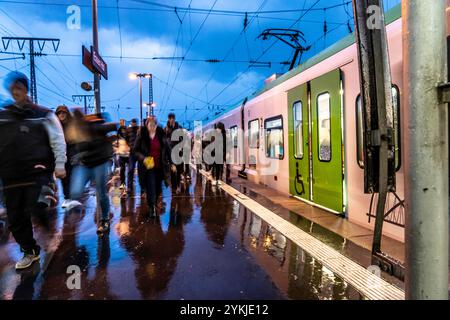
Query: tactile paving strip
[[368, 284]]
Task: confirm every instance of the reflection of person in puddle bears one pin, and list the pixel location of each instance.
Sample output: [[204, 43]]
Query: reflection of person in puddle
[[67, 253], [154, 251], [98, 287], [215, 213], [198, 190]]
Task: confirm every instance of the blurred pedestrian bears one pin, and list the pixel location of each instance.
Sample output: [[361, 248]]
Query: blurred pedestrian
[[219, 160], [176, 168], [94, 150], [32, 148], [65, 117], [123, 152], [132, 132], [153, 153]]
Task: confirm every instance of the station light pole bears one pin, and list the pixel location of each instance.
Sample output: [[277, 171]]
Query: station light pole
[[425, 126], [95, 45], [139, 76], [150, 106]]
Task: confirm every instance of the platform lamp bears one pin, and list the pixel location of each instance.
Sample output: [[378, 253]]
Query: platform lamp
[[139, 76], [150, 107]]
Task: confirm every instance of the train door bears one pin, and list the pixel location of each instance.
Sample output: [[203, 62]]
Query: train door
[[327, 147], [298, 123]]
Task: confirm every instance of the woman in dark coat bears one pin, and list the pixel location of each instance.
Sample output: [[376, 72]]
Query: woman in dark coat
[[152, 151], [219, 163]]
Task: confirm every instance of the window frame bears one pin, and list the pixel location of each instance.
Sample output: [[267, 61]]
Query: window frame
[[398, 111], [399, 147], [294, 113], [282, 135], [249, 134], [318, 126], [360, 162], [235, 146]]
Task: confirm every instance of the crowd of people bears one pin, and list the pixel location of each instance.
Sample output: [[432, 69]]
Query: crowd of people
[[39, 145]]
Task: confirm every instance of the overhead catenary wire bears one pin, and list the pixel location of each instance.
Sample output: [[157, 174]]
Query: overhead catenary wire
[[140, 9], [243, 13], [44, 58], [263, 53], [188, 49], [175, 51], [231, 50]]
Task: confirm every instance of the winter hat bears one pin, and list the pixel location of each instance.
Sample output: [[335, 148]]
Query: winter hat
[[14, 77]]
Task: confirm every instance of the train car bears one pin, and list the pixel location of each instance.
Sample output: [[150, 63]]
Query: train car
[[303, 133]]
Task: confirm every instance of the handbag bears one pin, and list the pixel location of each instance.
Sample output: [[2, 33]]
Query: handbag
[[149, 163]]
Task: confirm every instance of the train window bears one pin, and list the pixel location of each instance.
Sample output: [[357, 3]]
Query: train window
[[274, 137], [298, 132], [396, 128], [359, 132], [234, 136], [253, 134], [324, 126]]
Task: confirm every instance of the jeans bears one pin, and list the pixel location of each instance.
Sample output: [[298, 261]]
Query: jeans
[[131, 168], [81, 175], [153, 179], [65, 182], [123, 169], [175, 177], [217, 171]]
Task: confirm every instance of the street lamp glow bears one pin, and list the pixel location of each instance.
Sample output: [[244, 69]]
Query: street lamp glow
[[133, 76], [148, 76]]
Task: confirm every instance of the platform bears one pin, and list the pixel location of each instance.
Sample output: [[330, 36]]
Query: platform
[[204, 244]]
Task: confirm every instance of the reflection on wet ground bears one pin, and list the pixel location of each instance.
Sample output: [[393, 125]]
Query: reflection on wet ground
[[202, 245]]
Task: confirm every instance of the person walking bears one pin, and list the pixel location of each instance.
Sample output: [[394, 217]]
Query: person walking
[[176, 169], [94, 150], [220, 161], [32, 149], [153, 153], [123, 152], [131, 134], [65, 117]]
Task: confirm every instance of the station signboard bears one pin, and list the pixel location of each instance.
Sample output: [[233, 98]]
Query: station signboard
[[98, 63], [86, 56], [94, 62]]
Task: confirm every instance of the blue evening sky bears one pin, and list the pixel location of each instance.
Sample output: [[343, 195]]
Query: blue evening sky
[[194, 90]]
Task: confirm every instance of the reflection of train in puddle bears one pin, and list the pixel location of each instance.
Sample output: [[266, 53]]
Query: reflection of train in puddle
[[290, 268]]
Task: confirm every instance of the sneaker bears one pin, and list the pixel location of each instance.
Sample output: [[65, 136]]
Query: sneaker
[[219, 182], [27, 261], [65, 203], [103, 227], [72, 204], [122, 186]]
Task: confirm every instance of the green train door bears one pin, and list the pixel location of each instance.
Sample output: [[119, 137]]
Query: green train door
[[298, 142], [326, 131]]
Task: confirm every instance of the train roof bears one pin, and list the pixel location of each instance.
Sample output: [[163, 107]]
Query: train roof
[[390, 16]]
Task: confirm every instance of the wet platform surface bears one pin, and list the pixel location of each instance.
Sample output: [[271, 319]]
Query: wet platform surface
[[202, 245]]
